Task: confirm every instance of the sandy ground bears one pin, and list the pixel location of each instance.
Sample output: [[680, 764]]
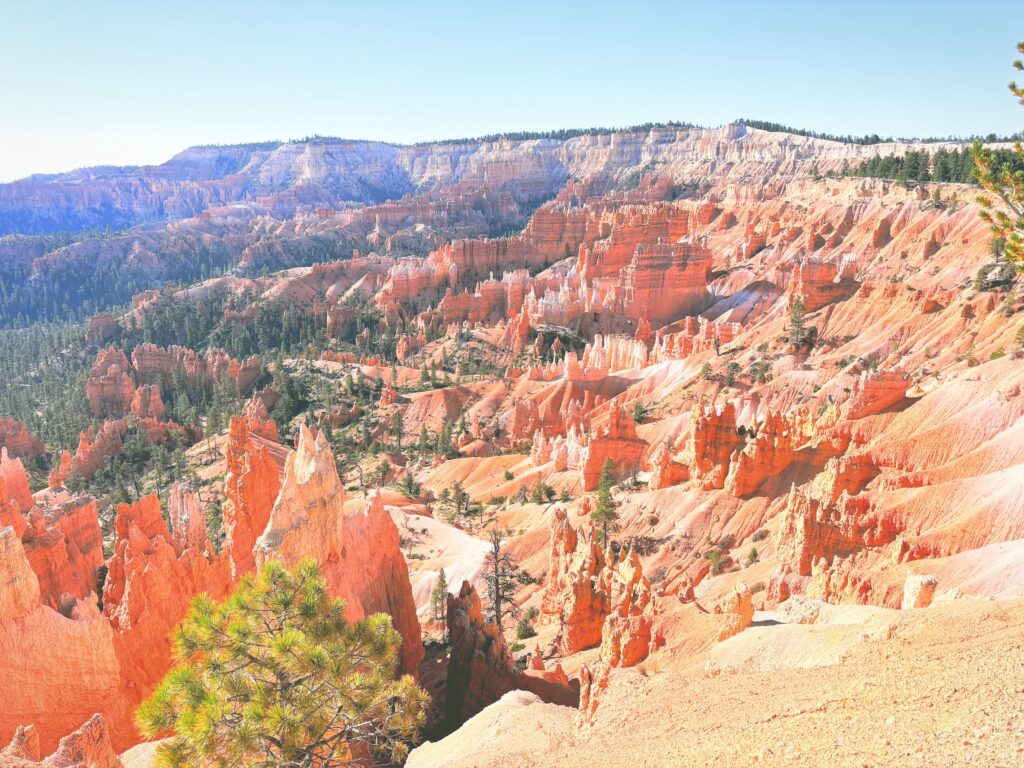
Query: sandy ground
[[942, 686]]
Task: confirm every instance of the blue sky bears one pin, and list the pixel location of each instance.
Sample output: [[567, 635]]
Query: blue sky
[[85, 83]]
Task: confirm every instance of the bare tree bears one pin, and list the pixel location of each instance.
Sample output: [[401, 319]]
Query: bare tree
[[503, 578]]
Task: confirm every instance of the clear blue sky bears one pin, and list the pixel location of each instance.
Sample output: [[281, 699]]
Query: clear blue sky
[[85, 83]]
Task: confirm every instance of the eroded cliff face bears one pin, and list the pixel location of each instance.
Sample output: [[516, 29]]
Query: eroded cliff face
[[48, 657], [358, 552], [597, 597], [150, 583], [252, 484], [18, 441], [481, 668], [156, 570], [87, 747]]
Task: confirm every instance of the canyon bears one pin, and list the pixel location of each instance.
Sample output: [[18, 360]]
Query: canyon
[[804, 408]]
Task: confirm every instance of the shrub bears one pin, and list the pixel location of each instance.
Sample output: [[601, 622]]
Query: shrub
[[524, 629], [731, 371]]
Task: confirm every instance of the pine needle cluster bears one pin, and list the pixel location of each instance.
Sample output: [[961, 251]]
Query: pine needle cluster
[[276, 677]]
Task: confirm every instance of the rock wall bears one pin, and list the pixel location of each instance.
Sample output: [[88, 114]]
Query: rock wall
[[251, 487], [47, 657], [358, 554], [64, 545], [148, 591], [18, 441], [481, 668]]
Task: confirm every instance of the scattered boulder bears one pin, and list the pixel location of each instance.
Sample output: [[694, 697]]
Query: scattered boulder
[[738, 608], [918, 591]]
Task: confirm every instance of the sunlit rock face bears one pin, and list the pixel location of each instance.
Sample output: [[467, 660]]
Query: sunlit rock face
[[358, 552]]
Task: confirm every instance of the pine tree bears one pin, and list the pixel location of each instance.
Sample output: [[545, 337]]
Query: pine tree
[[459, 498], [797, 328], [275, 676], [605, 514], [923, 174], [397, 428], [445, 447], [439, 597], [1003, 180], [537, 495]]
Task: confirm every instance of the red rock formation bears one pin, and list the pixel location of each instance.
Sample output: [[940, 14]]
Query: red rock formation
[[593, 683], [306, 519], [109, 389], [377, 576], [47, 657], [613, 353], [388, 395], [95, 446], [629, 227], [517, 332], [848, 473], [359, 553], [814, 529], [188, 522], [101, 329], [553, 674], [665, 471], [626, 637], [596, 597], [739, 611], [251, 484], [257, 412], [15, 496], [156, 365], [875, 391], [88, 747], [59, 475], [712, 441], [815, 283], [18, 441], [64, 545], [768, 454], [665, 282], [618, 441], [146, 403], [918, 591], [753, 243], [480, 666], [882, 234], [148, 590], [695, 334], [571, 593]]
